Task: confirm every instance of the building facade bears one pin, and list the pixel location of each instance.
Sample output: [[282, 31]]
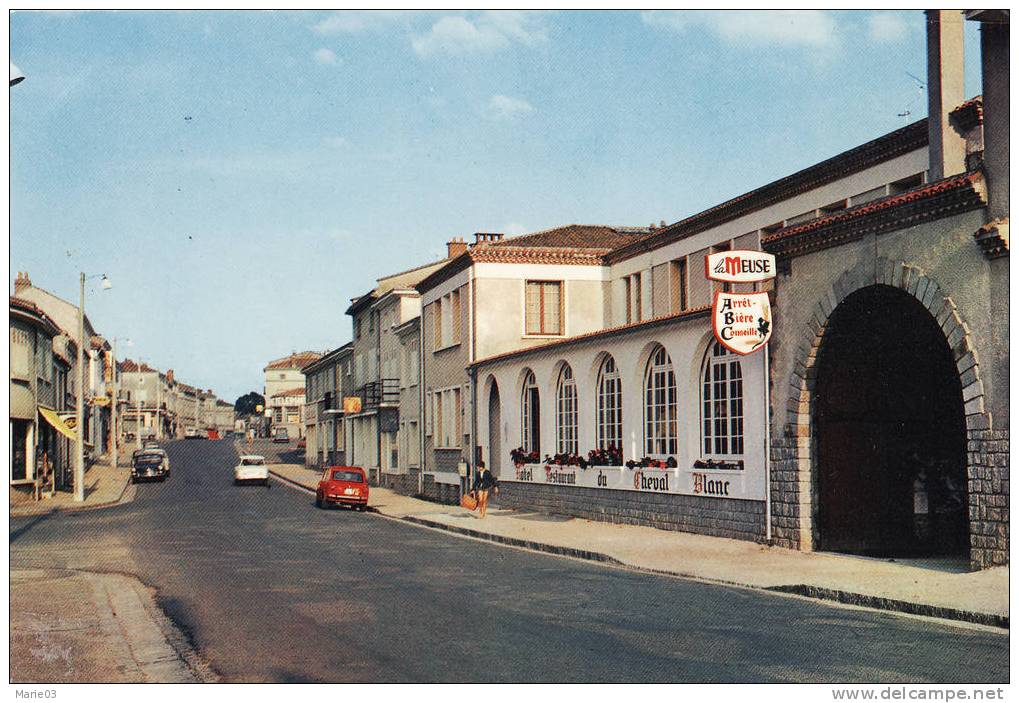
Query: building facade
[[42, 389], [328, 381], [284, 391]]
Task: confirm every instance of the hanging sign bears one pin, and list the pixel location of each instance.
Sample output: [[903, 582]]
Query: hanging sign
[[351, 405], [739, 266], [741, 321]]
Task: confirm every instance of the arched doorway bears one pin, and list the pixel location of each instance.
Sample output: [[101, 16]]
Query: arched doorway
[[494, 425], [890, 431]]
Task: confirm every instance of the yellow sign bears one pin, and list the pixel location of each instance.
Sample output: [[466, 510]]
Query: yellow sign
[[61, 425], [351, 405]]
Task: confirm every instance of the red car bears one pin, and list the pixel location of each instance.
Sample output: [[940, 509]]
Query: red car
[[342, 485]]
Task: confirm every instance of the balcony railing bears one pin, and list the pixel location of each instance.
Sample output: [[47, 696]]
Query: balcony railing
[[382, 393]]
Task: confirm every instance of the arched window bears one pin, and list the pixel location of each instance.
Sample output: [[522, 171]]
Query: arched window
[[721, 403], [530, 415], [566, 412], [661, 415], [610, 406]]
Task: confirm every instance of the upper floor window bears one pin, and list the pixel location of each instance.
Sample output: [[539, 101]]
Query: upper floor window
[[446, 315], [566, 413], [530, 411], [661, 414], [543, 307], [633, 288], [721, 403], [678, 285], [610, 406]]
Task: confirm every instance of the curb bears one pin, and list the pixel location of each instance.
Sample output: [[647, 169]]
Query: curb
[[804, 590], [892, 604], [291, 481], [78, 508]]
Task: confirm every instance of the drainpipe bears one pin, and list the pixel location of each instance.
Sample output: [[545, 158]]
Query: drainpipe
[[378, 379], [767, 444], [422, 410]]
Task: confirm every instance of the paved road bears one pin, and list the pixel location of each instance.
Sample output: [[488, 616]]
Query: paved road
[[270, 589]]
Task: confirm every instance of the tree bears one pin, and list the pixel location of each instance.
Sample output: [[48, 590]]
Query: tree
[[248, 404]]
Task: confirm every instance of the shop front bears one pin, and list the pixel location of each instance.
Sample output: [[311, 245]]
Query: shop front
[[654, 423]]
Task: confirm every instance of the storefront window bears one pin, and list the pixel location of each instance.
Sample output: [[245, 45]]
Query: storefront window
[[530, 415], [566, 413], [722, 403], [610, 406], [661, 416]]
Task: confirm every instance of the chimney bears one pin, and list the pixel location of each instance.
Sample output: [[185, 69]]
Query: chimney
[[22, 282], [169, 375], [994, 59], [945, 92], [483, 237], [455, 247]]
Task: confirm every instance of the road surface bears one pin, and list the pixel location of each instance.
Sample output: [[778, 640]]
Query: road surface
[[270, 589]]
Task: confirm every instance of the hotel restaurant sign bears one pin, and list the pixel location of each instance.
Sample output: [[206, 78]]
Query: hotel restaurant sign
[[742, 324], [710, 482]]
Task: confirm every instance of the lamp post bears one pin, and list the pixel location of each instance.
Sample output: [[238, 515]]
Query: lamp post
[[79, 464], [16, 75]]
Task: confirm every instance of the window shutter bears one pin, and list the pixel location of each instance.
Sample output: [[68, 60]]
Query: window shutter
[[437, 323], [532, 308], [457, 322], [551, 322]]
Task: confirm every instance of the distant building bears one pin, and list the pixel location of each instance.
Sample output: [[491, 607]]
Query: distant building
[[284, 391]]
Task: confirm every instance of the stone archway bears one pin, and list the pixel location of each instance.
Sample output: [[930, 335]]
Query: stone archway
[[795, 469]]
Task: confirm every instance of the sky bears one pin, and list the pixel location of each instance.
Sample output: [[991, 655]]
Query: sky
[[240, 176]]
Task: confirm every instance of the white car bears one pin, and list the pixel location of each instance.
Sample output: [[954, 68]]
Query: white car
[[252, 469]]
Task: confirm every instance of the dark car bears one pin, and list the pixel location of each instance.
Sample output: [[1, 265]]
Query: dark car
[[149, 465], [342, 485]]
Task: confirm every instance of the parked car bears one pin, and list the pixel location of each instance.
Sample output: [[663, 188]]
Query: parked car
[[149, 464], [252, 468], [280, 434], [342, 485], [302, 443], [191, 433]]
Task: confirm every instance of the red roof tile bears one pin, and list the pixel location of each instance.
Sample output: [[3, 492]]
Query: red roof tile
[[297, 360], [289, 393]]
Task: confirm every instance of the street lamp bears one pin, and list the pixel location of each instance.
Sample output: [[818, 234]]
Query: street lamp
[[79, 464], [16, 75]]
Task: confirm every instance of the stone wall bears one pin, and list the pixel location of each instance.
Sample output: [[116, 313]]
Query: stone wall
[[441, 492], [404, 484], [988, 497], [736, 519]]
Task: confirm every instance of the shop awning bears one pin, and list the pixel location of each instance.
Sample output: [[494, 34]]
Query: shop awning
[[22, 403], [58, 424]]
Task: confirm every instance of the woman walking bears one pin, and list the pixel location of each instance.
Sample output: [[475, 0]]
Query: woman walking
[[484, 481]]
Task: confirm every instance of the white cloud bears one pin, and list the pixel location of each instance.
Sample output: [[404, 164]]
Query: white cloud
[[326, 57], [514, 229], [887, 27], [753, 28], [335, 142], [503, 107], [489, 32], [353, 22]]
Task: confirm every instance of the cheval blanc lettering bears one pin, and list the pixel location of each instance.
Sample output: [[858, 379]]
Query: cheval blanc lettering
[[651, 482], [703, 485]]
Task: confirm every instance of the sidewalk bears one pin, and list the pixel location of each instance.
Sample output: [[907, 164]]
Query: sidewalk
[[83, 627], [104, 485], [923, 587]]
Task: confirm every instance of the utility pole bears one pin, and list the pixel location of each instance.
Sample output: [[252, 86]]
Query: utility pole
[[79, 439], [113, 408]]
